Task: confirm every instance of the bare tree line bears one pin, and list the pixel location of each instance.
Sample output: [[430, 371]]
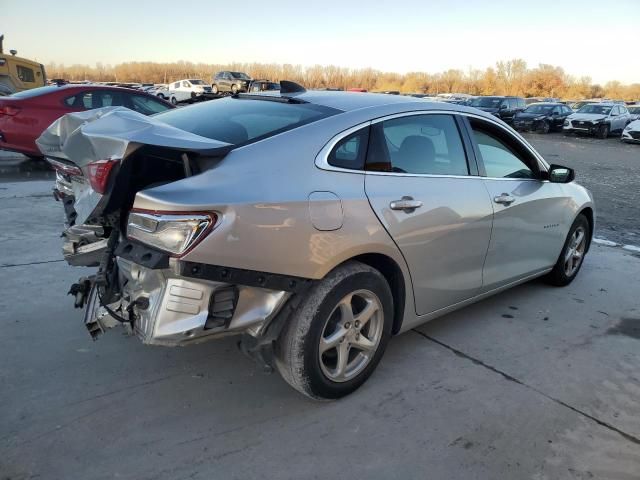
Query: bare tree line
[[511, 77]]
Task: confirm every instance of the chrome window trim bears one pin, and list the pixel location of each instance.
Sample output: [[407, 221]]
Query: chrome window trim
[[322, 158]]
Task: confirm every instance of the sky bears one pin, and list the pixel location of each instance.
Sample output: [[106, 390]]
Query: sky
[[587, 38]]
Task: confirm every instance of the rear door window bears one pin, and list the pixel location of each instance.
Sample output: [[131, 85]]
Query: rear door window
[[146, 105], [418, 144]]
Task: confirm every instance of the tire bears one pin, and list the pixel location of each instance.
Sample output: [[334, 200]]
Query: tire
[[161, 96], [174, 101], [214, 89], [323, 314], [544, 127], [603, 131], [561, 275], [234, 89]]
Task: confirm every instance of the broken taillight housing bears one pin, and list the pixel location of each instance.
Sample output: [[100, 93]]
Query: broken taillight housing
[[98, 173]]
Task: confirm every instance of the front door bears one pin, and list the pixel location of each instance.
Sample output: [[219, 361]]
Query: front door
[[529, 213], [435, 208]]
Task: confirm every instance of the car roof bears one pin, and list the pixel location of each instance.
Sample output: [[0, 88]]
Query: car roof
[[85, 86], [353, 101], [546, 103], [347, 101]]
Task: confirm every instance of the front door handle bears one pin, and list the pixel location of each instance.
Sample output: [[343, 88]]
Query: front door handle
[[408, 204], [504, 199]]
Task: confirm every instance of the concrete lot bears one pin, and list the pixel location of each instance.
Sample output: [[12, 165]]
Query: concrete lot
[[536, 383]]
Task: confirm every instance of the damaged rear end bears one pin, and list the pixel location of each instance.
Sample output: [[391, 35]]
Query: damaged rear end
[[102, 159]]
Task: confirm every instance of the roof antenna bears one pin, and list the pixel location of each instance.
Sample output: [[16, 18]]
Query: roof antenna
[[291, 87]]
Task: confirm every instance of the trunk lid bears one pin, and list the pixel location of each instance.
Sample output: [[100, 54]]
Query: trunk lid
[[78, 142]]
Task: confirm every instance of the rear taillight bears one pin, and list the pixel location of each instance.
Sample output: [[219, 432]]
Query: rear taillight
[[8, 110], [98, 173], [173, 232]]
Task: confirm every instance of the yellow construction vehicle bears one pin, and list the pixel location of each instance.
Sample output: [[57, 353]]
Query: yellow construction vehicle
[[17, 73]]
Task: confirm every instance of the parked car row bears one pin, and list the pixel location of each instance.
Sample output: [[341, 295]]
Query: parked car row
[[188, 89], [25, 115]]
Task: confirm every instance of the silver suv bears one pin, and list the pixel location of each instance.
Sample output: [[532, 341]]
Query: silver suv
[[316, 225], [598, 119]]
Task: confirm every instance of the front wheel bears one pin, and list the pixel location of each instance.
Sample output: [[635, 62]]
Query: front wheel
[[174, 101], [603, 131], [572, 255], [234, 89], [214, 89], [338, 333], [544, 127]]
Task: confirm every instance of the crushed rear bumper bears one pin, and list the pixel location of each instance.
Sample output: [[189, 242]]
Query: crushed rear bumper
[[165, 301]]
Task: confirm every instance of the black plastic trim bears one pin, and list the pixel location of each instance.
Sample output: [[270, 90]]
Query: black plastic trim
[[249, 278], [142, 255]]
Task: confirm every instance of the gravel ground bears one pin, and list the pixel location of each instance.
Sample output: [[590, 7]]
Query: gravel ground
[[611, 170]]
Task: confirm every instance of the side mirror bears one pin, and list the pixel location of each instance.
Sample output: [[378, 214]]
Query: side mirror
[[560, 174], [503, 107]]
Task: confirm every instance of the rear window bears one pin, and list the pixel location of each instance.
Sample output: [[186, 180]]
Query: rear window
[[242, 120]]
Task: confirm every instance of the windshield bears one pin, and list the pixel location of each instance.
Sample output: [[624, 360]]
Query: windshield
[[197, 82], [241, 75], [539, 109], [486, 102], [240, 120], [597, 109], [34, 92]]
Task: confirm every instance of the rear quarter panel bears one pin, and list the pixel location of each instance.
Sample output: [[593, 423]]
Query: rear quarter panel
[[262, 193]]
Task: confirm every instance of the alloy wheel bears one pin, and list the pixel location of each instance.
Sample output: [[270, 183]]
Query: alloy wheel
[[351, 335], [575, 251]]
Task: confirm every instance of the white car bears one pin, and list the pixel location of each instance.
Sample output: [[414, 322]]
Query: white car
[[631, 133], [598, 119], [634, 111], [186, 90]]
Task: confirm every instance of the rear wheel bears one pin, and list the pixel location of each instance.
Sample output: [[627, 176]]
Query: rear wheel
[[174, 101], [338, 333], [234, 89], [573, 252], [603, 131]]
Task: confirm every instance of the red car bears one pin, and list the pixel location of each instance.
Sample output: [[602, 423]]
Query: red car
[[25, 115]]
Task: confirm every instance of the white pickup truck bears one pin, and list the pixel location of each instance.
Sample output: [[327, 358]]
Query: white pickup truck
[[184, 90]]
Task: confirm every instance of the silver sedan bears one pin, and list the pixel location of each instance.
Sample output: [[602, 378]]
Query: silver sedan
[[316, 225]]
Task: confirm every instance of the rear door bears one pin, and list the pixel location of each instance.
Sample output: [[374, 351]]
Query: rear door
[[529, 212], [430, 199], [225, 82]]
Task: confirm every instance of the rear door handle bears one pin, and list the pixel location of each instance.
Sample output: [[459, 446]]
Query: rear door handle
[[408, 204], [504, 199]]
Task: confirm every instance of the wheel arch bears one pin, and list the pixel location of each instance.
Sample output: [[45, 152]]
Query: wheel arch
[[392, 273], [588, 213]]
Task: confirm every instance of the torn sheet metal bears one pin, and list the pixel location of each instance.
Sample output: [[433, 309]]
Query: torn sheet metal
[[114, 133]]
